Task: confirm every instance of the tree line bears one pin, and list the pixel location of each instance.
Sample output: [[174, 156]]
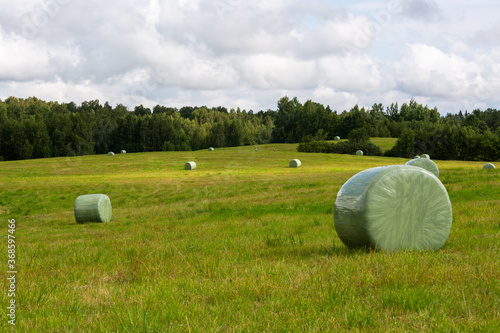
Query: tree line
[[33, 128]]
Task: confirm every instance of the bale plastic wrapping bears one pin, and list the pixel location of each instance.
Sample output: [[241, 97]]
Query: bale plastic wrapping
[[190, 165], [337, 138], [92, 208], [211, 149], [426, 164], [489, 166], [425, 156], [123, 151], [111, 153], [393, 208], [295, 163], [359, 152]]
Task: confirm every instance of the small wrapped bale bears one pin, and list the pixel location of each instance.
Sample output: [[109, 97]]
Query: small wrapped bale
[[92, 208], [359, 152], [111, 153], [425, 156], [393, 208], [123, 152], [416, 156], [295, 163], [337, 138], [489, 166], [211, 149], [426, 164], [190, 165]]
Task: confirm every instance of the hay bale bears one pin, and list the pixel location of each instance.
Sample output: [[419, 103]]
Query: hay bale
[[489, 166], [359, 152], [123, 151], [211, 149], [416, 156], [426, 164], [295, 163], [92, 208], [111, 153], [425, 156], [337, 138], [393, 208], [190, 165]]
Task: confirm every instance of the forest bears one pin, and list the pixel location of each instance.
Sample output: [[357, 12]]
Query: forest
[[33, 128]]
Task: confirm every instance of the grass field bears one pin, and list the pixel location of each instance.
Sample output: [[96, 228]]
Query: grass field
[[241, 244]]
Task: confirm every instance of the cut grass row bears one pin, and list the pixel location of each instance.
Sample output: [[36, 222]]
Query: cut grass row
[[242, 243]]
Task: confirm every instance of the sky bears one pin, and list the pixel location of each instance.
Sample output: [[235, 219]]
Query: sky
[[249, 54]]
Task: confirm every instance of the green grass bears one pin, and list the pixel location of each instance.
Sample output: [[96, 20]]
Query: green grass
[[243, 243]]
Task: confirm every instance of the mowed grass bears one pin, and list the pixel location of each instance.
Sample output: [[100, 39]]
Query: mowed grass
[[243, 243]]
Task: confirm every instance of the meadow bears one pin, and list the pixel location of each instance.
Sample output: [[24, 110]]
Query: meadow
[[243, 243]]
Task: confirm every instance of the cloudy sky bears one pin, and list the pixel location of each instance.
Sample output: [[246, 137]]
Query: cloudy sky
[[248, 54]]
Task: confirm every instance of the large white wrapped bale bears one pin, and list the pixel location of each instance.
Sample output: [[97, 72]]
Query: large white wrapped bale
[[123, 151], [190, 165], [426, 164], [337, 138], [359, 152], [489, 166], [295, 163], [425, 156], [111, 153], [393, 208], [211, 149], [93, 208]]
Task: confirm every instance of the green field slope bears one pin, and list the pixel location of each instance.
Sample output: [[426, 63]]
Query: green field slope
[[243, 243]]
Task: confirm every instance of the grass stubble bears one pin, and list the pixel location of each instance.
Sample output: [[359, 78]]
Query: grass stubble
[[242, 243]]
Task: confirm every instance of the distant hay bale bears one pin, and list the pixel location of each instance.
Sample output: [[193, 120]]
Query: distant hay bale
[[190, 165], [426, 164], [416, 156], [111, 153], [123, 151], [92, 208], [425, 156], [211, 149], [393, 208], [337, 138], [489, 166], [359, 152], [295, 163]]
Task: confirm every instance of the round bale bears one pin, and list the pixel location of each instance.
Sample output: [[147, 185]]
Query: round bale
[[359, 152], [337, 138], [111, 153], [393, 208], [426, 164], [211, 149], [123, 151], [190, 165], [92, 208], [295, 163], [416, 156], [489, 166], [425, 156]]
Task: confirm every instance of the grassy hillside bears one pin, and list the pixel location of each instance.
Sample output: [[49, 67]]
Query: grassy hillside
[[242, 243]]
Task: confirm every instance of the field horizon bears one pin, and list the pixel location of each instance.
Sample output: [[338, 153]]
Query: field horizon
[[241, 243]]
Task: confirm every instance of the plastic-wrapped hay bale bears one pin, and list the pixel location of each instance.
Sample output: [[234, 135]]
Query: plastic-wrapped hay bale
[[111, 153], [425, 156], [337, 138], [190, 165], [393, 208], [489, 166], [416, 156], [426, 164], [211, 149], [92, 208], [123, 151], [359, 152], [295, 163]]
